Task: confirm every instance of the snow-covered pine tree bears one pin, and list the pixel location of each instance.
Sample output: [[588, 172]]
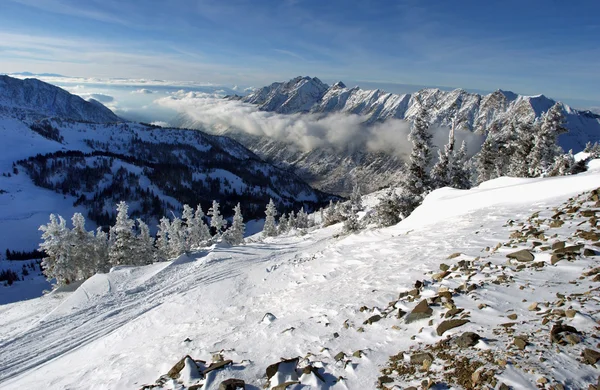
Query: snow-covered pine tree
[[82, 252], [562, 164], [387, 212], [417, 182], [459, 169], [200, 234], [282, 226], [101, 251], [351, 223], [519, 162], [122, 242], [187, 216], [332, 214], [291, 221], [302, 219], [177, 238], [485, 159], [57, 264], [356, 198], [270, 230], [145, 245], [545, 148], [505, 142], [162, 239], [235, 234], [440, 173], [216, 219]]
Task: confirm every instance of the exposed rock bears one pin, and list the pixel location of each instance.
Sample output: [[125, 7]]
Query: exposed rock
[[467, 339], [232, 384], [421, 311], [311, 370], [285, 385], [444, 267], [454, 255], [176, 369], [569, 249], [512, 316], [339, 356], [283, 372], [533, 307], [520, 342], [449, 324], [589, 252], [570, 313], [439, 276], [523, 255], [401, 313], [555, 333], [590, 356], [558, 245], [372, 319], [217, 366], [419, 358]]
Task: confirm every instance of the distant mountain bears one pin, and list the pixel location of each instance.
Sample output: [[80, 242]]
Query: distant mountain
[[32, 99], [56, 160], [469, 111], [336, 170]]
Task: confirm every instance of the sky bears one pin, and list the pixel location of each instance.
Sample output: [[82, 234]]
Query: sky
[[529, 47]]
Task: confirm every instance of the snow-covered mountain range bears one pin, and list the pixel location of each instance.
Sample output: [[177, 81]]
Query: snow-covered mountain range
[[32, 99], [336, 170], [71, 155]]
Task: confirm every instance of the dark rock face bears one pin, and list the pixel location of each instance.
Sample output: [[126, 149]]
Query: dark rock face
[[467, 339], [232, 384], [523, 255], [449, 324]]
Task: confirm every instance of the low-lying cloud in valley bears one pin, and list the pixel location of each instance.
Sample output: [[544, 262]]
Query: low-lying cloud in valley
[[305, 131]]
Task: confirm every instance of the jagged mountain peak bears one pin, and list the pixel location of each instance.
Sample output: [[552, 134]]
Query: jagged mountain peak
[[35, 99], [338, 85]]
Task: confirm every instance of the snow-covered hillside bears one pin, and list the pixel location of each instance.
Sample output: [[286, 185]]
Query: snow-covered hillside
[[33, 99], [341, 304], [61, 155]]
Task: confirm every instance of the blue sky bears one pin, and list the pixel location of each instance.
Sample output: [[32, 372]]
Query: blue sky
[[528, 46]]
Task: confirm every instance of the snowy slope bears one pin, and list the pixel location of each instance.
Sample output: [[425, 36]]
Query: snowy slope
[[35, 99], [127, 328]]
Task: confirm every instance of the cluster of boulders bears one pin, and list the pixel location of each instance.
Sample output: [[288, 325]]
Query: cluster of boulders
[[568, 234]]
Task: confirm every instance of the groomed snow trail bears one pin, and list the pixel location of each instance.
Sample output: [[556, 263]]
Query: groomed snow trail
[[126, 328]]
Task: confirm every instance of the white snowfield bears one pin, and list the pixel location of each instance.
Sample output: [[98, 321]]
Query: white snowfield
[[127, 328]]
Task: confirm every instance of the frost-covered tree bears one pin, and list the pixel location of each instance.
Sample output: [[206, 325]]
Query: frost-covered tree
[[82, 248], [270, 230], [356, 198], [388, 211], [459, 174], [351, 223], [216, 219], [122, 241], [198, 231], [545, 148], [58, 261], [292, 222], [145, 245], [563, 164], [417, 181], [101, 251], [178, 244], [523, 144], [283, 226], [302, 219], [332, 214], [162, 239], [235, 234], [440, 173], [485, 161]]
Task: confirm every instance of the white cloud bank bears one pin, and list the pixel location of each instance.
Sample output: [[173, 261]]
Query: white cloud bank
[[306, 131]]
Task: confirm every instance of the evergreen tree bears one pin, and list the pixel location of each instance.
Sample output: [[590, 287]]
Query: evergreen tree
[[235, 234], [332, 214], [270, 230], [459, 169], [522, 146], [417, 181], [177, 238], [82, 248], [122, 243], [162, 239], [216, 219], [388, 211], [283, 226], [356, 198], [292, 221], [545, 148], [351, 223], [302, 219], [145, 245], [58, 262], [198, 231], [440, 173], [101, 251], [485, 161]]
